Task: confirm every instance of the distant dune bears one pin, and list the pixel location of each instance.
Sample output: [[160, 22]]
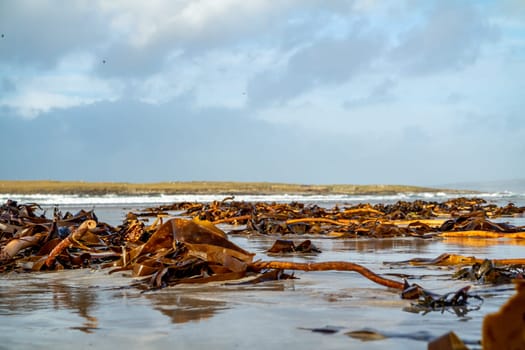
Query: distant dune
[[198, 187]]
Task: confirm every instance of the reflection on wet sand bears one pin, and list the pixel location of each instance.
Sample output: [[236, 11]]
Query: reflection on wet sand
[[182, 308], [79, 299], [55, 295], [459, 311], [335, 245], [368, 245], [481, 242], [176, 302]]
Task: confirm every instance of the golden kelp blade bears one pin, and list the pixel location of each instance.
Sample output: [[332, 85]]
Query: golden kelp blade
[[73, 238], [454, 259], [482, 242], [327, 266], [14, 246], [505, 329], [449, 341], [483, 234]]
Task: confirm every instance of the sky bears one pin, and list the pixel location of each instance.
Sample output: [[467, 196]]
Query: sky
[[298, 91]]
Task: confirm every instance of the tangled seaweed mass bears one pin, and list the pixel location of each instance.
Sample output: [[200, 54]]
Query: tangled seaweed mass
[[184, 244], [188, 247]]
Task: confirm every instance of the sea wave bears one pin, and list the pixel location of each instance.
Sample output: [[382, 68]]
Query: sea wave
[[80, 200]]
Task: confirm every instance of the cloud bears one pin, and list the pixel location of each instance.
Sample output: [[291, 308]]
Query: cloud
[[450, 36], [454, 98], [381, 93], [132, 141], [149, 33], [229, 89], [154, 143], [40, 33], [68, 85], [325, 62], [7, 86]]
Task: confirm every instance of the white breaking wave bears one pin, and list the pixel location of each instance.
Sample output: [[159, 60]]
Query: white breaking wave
[[79, 200]]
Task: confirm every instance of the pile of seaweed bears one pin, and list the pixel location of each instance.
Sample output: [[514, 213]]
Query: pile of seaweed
[[189, 247], [185, 244], [418, 218]]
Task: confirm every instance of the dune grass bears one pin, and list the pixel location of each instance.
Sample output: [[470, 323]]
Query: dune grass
[[195, 187]]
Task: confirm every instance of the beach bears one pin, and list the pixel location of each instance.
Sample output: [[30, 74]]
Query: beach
[[92, 309], [262, 175]]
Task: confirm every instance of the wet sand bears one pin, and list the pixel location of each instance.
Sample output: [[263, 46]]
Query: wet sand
[[92, 309]]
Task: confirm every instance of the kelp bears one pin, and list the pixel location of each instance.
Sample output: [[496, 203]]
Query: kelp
[[369, 334], [190, 248], [505, 329], [418, 218], [282, 246], [177, 250], [447, 259], [458, 301], [449, 341], [401, 219], [329, 266], [164, 253], [488, 272], [480, 270]]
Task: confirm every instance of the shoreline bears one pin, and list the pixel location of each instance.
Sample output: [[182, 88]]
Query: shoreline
[[204, 187]]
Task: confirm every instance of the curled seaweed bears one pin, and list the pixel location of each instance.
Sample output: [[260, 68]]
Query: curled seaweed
[[458, 301], [488, 272]]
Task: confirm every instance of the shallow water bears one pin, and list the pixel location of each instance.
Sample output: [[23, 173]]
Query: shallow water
[[91, 309]]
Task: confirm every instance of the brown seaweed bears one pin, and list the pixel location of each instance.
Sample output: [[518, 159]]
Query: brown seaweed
[[505, 329], [178, 250], [488, 272], [286, 246], [447, 259]]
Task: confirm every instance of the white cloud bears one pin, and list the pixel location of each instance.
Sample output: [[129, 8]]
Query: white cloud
[[36, 94], [417, 79], [145, 23], [32, 103], [448, 37]]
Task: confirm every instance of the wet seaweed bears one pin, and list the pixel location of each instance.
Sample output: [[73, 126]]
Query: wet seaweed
[[185, 244], [488, 272], [191, 248]]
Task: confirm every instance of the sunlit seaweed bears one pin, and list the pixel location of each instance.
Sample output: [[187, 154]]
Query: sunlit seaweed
[[174, 250], [190, 248]]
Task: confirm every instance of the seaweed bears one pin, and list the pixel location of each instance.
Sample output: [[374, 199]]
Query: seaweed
[[191, 247]]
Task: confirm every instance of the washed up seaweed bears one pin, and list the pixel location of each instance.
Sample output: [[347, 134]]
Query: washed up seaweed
[[488, 272], [455, 217], [479, 270], [196, 251], [191, 248], [505, 329], [282, 246], [449, 341], [370, 334], [185, 244], [459, 302], [166, 253], [447, 259]]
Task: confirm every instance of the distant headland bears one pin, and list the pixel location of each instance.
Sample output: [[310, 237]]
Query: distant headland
[[202, 187]]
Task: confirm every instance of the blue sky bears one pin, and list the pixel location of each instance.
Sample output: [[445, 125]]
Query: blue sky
[[304, 91]]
